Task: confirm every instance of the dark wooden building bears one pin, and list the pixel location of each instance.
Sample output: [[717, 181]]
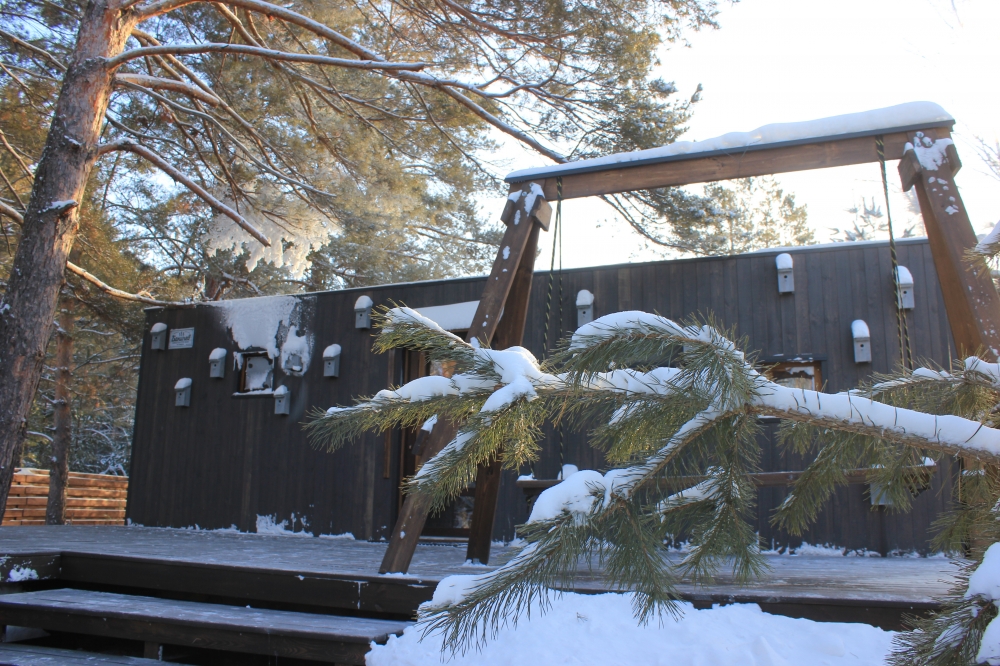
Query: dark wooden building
[[227, 459]]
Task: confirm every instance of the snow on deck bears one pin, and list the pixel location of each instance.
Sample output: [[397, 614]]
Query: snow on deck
[[912, 115]]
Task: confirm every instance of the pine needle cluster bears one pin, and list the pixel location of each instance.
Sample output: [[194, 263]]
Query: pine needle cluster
[[676, 409]]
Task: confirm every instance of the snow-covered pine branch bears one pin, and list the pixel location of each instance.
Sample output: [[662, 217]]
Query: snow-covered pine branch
[[671, 399]]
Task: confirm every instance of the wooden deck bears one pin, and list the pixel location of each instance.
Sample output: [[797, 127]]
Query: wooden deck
[[341, 576]]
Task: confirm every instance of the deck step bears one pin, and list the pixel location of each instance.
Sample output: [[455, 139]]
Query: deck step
[[12, 654], [317, 637]]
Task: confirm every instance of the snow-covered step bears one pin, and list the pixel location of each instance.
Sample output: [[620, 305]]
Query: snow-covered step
[[12, 654], [329, 638]]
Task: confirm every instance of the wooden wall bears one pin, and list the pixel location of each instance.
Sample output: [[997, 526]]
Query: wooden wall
[[225, 460]]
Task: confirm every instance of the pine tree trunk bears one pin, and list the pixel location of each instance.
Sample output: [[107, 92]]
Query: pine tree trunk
[[55, 510], [51, 220]]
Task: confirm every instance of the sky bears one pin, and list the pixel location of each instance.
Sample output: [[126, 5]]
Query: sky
[[789, 60]]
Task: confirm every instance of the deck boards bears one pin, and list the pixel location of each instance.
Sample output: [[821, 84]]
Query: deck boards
[[12, 654], [339, 573], [194, 624]]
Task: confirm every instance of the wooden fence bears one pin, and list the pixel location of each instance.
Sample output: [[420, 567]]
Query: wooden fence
[[91, 499]]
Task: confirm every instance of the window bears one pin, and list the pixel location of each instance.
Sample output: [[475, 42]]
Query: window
[[256, 373], [797, 375]]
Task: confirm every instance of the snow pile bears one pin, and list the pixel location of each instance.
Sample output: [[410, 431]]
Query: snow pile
[[217, 354], [600, 629], [270, 525], [296, 352], [584, 298], [903, 275], [783, 261], [902, 115], [453, 317], [20, 574], [182, 383], [363, 303], [332, 351], [255, 322], [859, 329], [158, 327], [985, 583]]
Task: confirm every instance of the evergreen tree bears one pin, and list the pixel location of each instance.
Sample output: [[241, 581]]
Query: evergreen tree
[[674, 408]]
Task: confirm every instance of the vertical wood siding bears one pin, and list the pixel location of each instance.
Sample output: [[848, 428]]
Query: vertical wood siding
[[225, 460]]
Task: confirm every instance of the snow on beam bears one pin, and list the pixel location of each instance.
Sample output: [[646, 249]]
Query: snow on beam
[[892, 120]]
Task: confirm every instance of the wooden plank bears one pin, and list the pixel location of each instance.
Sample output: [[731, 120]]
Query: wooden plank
[[484, 324], [233, 628], [14, 654], [738, 164], [509, 333], [970, 297]]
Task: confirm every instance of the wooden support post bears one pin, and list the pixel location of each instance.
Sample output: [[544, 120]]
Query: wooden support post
[[970, 297], [521, 215], [509, 333]]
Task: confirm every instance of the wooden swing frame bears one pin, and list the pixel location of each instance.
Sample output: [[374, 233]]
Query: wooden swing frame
[[971, 299]]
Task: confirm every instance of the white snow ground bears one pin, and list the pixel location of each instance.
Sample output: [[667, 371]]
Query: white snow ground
[[600, 629]]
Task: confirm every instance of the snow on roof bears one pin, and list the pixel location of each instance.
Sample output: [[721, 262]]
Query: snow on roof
[[254, 322], [182, 383], [332, 351], [784, 261], [859, 329], [909, 116], [452, 317], [363, 303], [584, 297], [903, 275], [158, 327], [217, 354]]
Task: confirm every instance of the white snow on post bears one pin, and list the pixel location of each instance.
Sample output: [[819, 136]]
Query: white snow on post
[[429, 423], [182, 383], [859, 329], [451, 317], [280, 391], [363, 303], [930, 153], [331, 351], [158, 327], [217, 354], [506, 253], [783, 261], [584, 298], [903, 115], [904, 276]]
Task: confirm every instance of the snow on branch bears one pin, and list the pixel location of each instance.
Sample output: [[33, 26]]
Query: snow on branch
[[177, 175], [159, 83], [267, 54]]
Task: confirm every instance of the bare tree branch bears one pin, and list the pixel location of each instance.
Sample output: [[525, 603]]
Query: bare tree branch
[[173, 172], [158, 83], [118, 293]]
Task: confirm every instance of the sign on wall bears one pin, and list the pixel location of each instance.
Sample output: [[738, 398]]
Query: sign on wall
[[181, 338]]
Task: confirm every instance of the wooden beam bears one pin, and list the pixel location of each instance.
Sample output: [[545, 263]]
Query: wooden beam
[[510, 332], [737, 164], [531, 210], [970, 297]]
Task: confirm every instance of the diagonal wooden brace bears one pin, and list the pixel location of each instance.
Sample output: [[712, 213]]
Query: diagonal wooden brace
[[970, 297], [507, 291]]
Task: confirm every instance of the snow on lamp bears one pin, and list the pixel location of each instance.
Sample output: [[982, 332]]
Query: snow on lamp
[[331, 361], [282, 398], [904, 293], [862, 341], [363, 312], [217, 363], [584, 307], [786, 278], [182, 392], [158, 333]]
